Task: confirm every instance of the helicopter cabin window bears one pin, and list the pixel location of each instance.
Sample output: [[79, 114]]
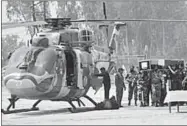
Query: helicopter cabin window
[[70, 68], [85, 35]]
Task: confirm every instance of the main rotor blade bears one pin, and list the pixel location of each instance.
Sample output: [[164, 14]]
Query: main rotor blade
[[110, 21], [22, 24], [124, 20]]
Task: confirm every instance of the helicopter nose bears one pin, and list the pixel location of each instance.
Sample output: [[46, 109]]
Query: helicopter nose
[[23, 88]]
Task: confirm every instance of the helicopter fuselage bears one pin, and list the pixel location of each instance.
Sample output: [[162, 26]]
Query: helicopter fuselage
[[56, 74], [57, 66]]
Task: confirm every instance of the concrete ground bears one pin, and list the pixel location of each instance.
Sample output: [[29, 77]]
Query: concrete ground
[[56, 113]]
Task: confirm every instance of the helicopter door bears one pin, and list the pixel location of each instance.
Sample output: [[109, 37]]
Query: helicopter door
[[71, 75]]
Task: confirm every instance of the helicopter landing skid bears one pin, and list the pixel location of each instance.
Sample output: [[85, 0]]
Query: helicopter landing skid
[[12, 104], [18, 110], [91, 100], [74, 109]]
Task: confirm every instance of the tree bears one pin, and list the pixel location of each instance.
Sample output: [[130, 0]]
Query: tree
[[20, 10], [9, 44], [143, 33]]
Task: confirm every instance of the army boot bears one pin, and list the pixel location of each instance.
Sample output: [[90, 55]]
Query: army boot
[[152, 103], [156, 104], [135, 102], [141, 104], [129, 103]]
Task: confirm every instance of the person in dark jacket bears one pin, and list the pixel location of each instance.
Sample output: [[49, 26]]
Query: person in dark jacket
[[106, 82], [120, 85]]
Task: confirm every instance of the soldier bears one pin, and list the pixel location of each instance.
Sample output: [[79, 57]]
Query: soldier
[[180, 77], [184, 83], [140, 83], [175, 81], [106, 82], [142, 88], [146, 79], [163, 89], [149, 86], [156, 87], [185, 70], [119, 82], [132, 80]]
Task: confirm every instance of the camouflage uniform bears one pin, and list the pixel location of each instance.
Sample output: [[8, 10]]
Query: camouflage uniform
[[142, 91], [132, 79], [156, 88]]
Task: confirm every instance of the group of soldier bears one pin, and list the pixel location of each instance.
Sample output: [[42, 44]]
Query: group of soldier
[[145, 83], [154, 81]]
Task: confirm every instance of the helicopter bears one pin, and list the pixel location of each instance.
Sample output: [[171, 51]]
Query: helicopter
[[58, 65]]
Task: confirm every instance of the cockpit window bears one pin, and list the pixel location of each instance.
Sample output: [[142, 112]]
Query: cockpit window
[[18, 56]]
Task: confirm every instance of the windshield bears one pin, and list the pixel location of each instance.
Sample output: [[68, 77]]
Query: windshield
[[18, 56]]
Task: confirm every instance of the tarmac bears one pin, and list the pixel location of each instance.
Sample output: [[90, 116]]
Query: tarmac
[[56, 113]]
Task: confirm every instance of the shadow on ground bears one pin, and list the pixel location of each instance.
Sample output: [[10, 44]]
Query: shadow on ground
[[60, 111], [183, 112]]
